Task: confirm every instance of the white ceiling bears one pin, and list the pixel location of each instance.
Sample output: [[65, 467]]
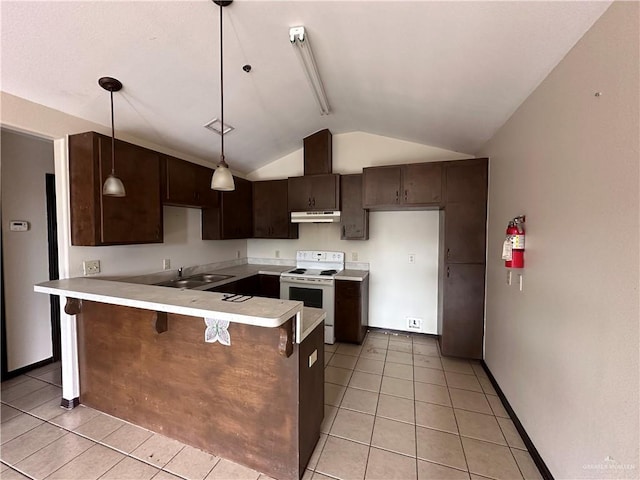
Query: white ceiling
[[446, 74]]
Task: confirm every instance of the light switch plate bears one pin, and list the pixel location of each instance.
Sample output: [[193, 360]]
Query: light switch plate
[[91, 267]]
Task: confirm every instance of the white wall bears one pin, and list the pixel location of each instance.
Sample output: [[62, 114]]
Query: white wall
[[397, 289], [25, 161], [565, 350]]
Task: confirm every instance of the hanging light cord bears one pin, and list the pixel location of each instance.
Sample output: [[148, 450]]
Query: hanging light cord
[[113, 140], [222, 162]]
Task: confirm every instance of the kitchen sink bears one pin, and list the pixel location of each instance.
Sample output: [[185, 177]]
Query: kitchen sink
[[194, 281]]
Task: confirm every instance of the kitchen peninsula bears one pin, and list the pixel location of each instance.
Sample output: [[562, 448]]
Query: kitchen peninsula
[[241, 379]]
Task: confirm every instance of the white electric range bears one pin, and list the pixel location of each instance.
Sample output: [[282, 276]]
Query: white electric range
[[312, 282]]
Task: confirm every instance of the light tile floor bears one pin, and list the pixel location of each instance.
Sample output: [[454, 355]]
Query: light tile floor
[[394, 409]]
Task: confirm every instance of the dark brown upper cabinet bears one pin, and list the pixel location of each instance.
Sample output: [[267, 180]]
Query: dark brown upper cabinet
[[314, 192], [354, 218], [465, 232], [100, 220], [466, 180], [187, 184], [400, 187], [318, 153], [271, 210], [232, 219]]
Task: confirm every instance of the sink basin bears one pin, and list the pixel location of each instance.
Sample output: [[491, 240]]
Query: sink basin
[[194, 281]]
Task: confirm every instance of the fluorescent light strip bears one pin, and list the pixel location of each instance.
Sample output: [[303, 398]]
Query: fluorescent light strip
[[300, 40]]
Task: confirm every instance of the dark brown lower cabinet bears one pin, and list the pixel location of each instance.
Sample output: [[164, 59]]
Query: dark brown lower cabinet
[[261, 285], [269, 286], [462, 323], [351, 310]]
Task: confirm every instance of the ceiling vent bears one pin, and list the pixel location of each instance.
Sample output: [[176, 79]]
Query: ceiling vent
[[216, 126]]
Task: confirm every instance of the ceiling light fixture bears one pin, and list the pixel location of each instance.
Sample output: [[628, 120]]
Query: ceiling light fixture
[[113, 186], [222, 179], [299, 38]]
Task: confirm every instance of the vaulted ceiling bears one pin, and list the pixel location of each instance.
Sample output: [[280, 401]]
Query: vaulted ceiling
[[446, 74]]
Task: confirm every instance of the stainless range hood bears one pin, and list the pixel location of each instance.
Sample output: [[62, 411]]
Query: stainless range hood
[[315, 217]]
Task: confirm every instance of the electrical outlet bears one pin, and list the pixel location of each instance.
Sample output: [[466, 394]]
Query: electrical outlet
[[166, 264], [91, 267], [277, 253], [414, 323], [354, 256], [412, 258]]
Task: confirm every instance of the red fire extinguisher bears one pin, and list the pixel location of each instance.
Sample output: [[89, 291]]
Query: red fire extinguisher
[[513, 251]]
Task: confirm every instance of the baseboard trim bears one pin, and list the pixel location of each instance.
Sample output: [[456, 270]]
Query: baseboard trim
[[26, 369], [535, 456], [70, 404]]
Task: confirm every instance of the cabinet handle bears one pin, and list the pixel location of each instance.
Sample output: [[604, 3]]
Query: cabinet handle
[[344, 231], [406, 194], [309, 201], [448, 253], [448, 271], [314, 201], [397, 196]]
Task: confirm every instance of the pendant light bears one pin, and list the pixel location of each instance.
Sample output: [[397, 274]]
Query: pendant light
[[222, 179], [113, 186]]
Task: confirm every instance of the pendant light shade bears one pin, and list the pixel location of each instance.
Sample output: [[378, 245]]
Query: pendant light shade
[[222, 178], [113, 186]]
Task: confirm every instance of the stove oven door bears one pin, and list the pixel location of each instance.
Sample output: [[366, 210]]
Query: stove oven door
[[317, 296]]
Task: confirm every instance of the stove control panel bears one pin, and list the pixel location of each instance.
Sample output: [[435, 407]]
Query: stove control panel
[[320, 256]]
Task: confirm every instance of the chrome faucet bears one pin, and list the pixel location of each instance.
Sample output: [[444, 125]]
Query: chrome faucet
[[180, 272]]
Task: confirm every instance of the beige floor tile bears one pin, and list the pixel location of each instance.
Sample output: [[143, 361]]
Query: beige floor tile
[[457, 365], [394, 436], [426, 361], [37, 397], [397, 387], [440, 447], [396, 346], [343, 361], [384, 465], [373, 353], [330, 413], [3, 467], [430, 350], [307, 475], [352, 425], [333, 394], [479, 370], [130, 469], [55, 455], [48, 410], [343, 459], [7, 412], [127, 438], [435, 416], [30, 442], [191, 463], [72, 419], [331, 348], [398, 370], [365, 381], [496, 406], [327, 357], [89, 465], [429, 375], [319, 476], [370, 366], [466, 400], [396, 408], [463, 381], [479, 426], [162, 475], [401, 337], [360, 400], [426, 392], [99, 427], [527, 467], [18, 425], [337, 375], [479, 477], [315, 456], [21, 389], [379, 342], [349, 349], [510, 433], [11, 474], [54, 377], [486, 385], [55, 366], [433, 471], [13, 382], [490, 460], [157, 450], [423, 338], [399, 357]]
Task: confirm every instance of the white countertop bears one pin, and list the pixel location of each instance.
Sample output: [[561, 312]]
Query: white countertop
[[353, 275], [263, 312]]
